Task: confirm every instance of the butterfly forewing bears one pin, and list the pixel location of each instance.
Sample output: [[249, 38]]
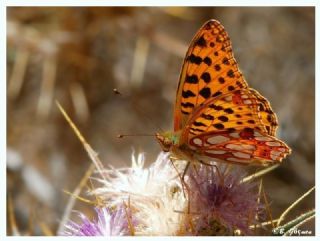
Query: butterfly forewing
[[209, 70]]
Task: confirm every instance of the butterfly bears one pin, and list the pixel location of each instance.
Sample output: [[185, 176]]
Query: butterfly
[[217, 117]]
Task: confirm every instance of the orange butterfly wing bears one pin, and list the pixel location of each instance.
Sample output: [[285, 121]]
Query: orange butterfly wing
[[216, 112], [209, 70], [231, 128]]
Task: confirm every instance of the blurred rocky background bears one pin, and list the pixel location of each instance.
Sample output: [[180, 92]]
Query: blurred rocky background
[[79, 55]]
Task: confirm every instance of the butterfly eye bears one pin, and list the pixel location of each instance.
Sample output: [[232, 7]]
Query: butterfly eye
[[168, 142]]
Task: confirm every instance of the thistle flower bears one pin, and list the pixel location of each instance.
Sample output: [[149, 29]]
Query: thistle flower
[[155, 194], [216, 203], [219, 202], [138, 180], [109, 223]]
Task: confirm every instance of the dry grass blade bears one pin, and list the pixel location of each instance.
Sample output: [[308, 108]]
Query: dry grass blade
[[18, 73], [12, 218], [131, 227], [31, 222], [259, 173], [139, 60], [293, 205], [92, 154], [96, 164], [47, 86], [79, 101], [45, 229], [72, 199], [263, 224], [79, 198]]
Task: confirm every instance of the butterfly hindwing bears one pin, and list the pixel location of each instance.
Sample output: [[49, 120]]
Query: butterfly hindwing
[[235, 118], [245, 146], [268, 117], [235, 110]]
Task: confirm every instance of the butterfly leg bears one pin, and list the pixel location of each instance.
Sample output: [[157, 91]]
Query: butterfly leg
[[214, 166], [173, 158], [184, 185], [185, 171]]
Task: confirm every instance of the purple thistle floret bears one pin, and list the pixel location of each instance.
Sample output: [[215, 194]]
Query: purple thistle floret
[[220, 202], [109, 223]]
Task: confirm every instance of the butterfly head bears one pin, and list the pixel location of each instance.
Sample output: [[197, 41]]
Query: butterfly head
[[167, 140]]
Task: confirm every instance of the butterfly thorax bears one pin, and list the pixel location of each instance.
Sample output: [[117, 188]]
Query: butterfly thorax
[[168, 140]]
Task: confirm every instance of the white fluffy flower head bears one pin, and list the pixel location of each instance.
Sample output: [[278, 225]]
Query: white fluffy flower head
[[155, 194]]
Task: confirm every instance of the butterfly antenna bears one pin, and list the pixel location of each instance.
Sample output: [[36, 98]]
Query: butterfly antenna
[[137, 108], [122, 135]]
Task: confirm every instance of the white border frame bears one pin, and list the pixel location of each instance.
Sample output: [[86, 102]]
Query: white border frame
[[269, 3]]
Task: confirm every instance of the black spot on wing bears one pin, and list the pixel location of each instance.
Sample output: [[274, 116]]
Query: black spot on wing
[[230, 73], [192, 79], [226, 61], [187, 94], [207, 61], [206, 77], [239, 84], [217, 67], [201, 42], [221, 80], [231, 88], [219, 126], [187, 105], [184, 112], [216, 94], [196, 129], [199, 124], [231, 129], [228, 110], [216, 107], [194, 59], [205, 92], [207, 117], [223, 118]]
